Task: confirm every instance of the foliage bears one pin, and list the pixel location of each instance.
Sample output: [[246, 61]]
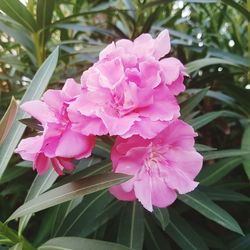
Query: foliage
[[212, 39]]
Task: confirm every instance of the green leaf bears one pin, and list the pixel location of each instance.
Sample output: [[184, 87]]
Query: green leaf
[[183, 234], [18, 246], [245, 145], [84, 214], [162, 216], [14, 238], [201, 203], [8, 119], [131, 228], [203, 148], [239, 7], [241, 243], [68, 192], [213, 173], [155, 238], [200, 63], [44, 16], [188, 105], [211, 155], [35, 90], [98, 168], [240, 95], [102, 217], [8, 233], [12, 173], [16, 10], [211, 240], [203, 120], [218, 194], [20, 35], [39, 185], [75, 243]]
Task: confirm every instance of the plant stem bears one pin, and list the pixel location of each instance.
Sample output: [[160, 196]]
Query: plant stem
[[39, 54]]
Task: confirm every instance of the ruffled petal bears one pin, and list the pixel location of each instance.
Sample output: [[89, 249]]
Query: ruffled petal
[[73, 145], [28, 148], [39, 110], [162, 44]]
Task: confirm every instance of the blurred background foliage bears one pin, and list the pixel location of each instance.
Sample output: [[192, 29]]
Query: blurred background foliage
[[213, 39]]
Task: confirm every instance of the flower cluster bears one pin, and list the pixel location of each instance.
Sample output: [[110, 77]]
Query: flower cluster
[[129, 93]]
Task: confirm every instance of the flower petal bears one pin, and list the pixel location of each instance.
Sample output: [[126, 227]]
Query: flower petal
[[162, 195]]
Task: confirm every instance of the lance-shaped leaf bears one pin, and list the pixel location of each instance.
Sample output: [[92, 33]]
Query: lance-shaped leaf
[[245, 145], [201, 203], [8, 119], [131, 228], [68, 192], [35, 90], [40, 184], [16, 10], [183, 234], [76, 243]]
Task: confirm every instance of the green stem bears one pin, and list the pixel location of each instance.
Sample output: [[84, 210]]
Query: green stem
[[30, 6], [38, 50], [13, 237]]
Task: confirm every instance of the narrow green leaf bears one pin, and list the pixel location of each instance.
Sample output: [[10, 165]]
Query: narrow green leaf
[[239, 7], [68, 192], [218, 194], [201, 203], [20, 35], [203, 120], [40, 184], [12, 173], [188, 105], [213, 241], [183, 234], [75, 243], [35, 90], [10, 234], [203, 148], [241, 243], [103, 217], [201, 63], [8, 119], [18, 246], [98, 168], [131, 228], [84, 214], [44, 16], [245, 145], [16, 10], [162, 216], [213, 173], [155, 238], [211, 155]]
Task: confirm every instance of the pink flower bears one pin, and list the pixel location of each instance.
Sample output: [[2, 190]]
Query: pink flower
[[129, 91], [161, 166], [58, 144]]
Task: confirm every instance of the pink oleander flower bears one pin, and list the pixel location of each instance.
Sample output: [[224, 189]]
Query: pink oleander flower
[[58, 144], [160, 167], [130, 90]]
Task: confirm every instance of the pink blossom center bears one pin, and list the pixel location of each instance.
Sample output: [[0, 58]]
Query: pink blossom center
[[156, 159]]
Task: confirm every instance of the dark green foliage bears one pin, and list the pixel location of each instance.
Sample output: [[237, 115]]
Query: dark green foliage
[[212, 39]]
